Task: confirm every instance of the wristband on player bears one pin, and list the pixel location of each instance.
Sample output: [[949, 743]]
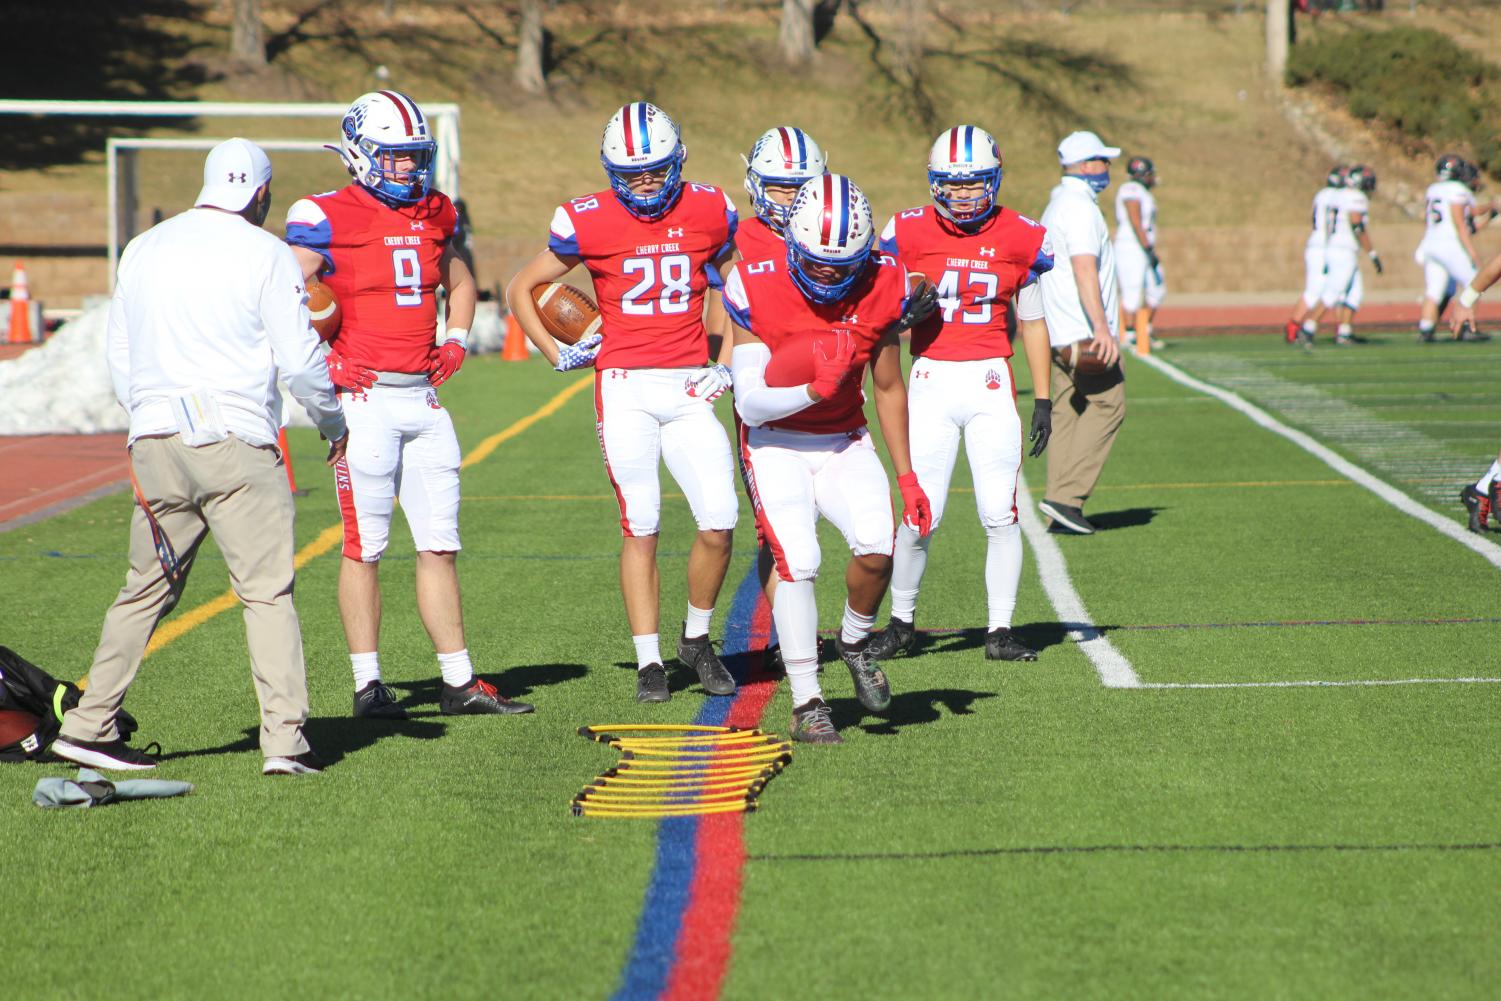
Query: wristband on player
[[460, 334], [1468, 297]]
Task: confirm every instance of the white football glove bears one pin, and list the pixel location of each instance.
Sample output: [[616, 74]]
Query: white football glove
[[709, 383], [580, 355]]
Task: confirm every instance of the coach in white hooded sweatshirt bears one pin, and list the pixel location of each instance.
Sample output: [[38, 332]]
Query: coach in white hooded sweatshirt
[[208, 310]]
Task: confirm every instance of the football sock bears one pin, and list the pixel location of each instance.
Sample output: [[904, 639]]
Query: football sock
[[647, 650], [366, 668], [1003, 572], [1345, 330], [856, 626], [1484, 483], [457, 671], [1425, 327], [907, 567], [795, 614], [1310, 327], [697, 622]]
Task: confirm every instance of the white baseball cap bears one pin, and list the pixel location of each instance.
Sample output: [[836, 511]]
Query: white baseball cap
[[1077, 147], [232, 174]]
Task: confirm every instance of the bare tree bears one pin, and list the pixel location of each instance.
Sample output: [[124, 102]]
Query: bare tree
[[909, 22], [1278, 30], [797, 32], [246, 43], [530, 49]]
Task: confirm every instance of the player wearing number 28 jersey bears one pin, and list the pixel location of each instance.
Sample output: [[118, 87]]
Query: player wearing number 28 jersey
[[981, 255], [653, 244]]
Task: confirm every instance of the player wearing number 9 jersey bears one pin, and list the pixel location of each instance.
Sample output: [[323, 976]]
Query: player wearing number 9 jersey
[[383, 245], [653, 244], [982, 255]]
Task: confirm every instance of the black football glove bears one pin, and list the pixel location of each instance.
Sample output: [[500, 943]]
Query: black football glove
[[920, 306], [1042, 426], [1376, 262], [1151, 253]]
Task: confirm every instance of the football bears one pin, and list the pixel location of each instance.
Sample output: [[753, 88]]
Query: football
[[1077, 357], [16, 726], [324, 309], [791, 363], [567, 313], [915, 281]]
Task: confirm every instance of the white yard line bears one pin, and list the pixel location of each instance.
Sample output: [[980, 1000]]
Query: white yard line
[[1114, 669], [1322, 684], [1396, 498]]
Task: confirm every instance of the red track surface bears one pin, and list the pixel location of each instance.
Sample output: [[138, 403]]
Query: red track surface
[[47, 474]]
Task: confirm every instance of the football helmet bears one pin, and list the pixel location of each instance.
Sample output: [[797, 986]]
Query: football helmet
[[828, 226], [1361, 178], [640, 138], [1336, 178], [1450, 167], [965, 153], [379, 129], [1471, 175], [1142, 170], [783, 155]]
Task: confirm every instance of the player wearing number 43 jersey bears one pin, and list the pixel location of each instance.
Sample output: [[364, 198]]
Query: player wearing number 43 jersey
[[383, 245], [654, 245], [982, 255]]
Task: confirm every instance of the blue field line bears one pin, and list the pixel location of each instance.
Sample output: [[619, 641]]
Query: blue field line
[[652, 954]]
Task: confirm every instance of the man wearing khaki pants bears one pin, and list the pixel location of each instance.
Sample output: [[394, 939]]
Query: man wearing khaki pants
[[1081, 303], [208, 310]]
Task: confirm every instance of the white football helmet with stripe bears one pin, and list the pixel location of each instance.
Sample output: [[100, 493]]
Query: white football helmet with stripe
[[783, 155], [379, 129], [640, 137], [829, 236], [964, 153]]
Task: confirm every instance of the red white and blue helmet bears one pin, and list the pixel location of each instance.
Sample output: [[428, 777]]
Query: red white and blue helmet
[[640, 138], [379, 128], [829, 224], [964, 153], [783, 155]]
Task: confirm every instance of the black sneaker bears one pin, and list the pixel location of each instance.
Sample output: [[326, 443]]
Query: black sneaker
[[1066, 520], [306, 763], [812, 724], [1425, 336], [1479, 506], [698, 653], [375, 701], [114, 754], [897, 637], [651, 684], [871, 687], [479, 698], [1001, 645]]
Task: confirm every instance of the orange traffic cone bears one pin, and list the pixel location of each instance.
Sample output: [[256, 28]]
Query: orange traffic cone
[[20, 307], [286, 457], [515, 347]]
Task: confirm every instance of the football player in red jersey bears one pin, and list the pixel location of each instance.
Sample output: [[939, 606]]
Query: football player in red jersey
[[384, 243], [811, 320], [982, 255], [654, 245]]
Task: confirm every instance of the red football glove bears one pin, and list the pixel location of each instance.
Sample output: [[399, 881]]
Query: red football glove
[[918, 512], [347, 375], [831, 366], [447, 360]]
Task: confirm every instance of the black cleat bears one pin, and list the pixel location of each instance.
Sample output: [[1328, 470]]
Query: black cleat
[[1066, 520], [698, 653], [479, 698], [871, 687], [1479, 506], [1001, 645], [375, 701], [114, 754], [306, 763], [812, 724], [651, 684], [1425, 336], [1469, 333], [897, 637]]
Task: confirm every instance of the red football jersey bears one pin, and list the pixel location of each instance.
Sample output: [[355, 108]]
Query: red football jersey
[[977, 275], [649, 276], [382, 264], [757, 241], [761, 297]]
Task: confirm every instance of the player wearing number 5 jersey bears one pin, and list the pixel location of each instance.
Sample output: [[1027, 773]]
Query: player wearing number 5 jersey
[[383, 245], [982, 255], [653, 245]]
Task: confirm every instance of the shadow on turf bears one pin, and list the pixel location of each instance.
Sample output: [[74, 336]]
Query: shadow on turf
[[513, 683], [907, 709], [332, 737], [1037, 635], [1132, 517]]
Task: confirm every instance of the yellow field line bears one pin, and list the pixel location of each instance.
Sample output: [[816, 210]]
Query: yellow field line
[[334, 534]]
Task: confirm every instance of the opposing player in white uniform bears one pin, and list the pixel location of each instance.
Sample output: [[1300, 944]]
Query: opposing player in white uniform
[[1324, 209], [1347, 238], [1447, 253], [1483, 497], [1136, 265]]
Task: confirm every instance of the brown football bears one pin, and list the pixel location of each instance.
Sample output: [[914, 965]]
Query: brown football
[[1077, 357], [324, 309], [16, 726], [567, 313]]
